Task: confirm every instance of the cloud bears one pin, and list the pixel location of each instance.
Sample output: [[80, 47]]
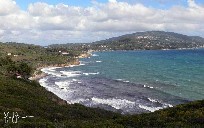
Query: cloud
[[7, 7], [113, 1], [43, 24], [192, 4]]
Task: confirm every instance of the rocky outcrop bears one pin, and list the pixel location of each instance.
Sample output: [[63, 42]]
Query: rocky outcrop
[[84, 55], [38, 74]]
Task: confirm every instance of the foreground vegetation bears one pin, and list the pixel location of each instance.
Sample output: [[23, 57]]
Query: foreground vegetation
[[28, 98]]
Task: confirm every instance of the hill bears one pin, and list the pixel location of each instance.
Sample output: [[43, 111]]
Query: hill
[[15, 55], [34, 55], [150, 40]]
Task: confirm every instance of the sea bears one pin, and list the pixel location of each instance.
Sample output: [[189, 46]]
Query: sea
[[130, 82]]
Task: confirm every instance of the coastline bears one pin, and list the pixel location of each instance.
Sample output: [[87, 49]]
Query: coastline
[[105, 101], [38, 74], [164, 49]]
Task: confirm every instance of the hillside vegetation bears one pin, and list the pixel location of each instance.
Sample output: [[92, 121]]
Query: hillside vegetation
[[30, 99], [150, 40], [36, 56]]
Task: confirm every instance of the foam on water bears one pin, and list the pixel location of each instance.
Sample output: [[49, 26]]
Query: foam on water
[[64, 85], [91, 73], [51, 71], [79, 100], [95, 55], [116, 103], [71, 66], [74, 80], [151, 109], [82, 63], [63, 90], [152, 100], [146, 86], [126, 81], [43, 82], [158, 101], [71, 73]]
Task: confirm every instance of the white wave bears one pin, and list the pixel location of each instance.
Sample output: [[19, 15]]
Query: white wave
[[153, 100], [98, 61], [126, 81], [151, 109], [91, 73], [64, 93], [168, 105], [74, 80], [43, 82], [80, 100], [82, 63], [71, 66], [64, 85], [116, 103], [165, 49], [157, 101], [86, 74], [51, 71], [71, 73], [146, 86], [95, 55]]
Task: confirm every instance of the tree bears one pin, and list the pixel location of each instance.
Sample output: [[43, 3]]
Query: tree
[[5, 61], [24, 70]]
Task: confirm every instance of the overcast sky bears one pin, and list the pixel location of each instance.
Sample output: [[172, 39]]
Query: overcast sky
[[46, 22]]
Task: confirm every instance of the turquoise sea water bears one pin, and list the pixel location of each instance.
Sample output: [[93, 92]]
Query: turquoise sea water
[[131, 81]]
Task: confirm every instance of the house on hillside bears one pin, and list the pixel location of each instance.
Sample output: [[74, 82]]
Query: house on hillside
[[65, 53]]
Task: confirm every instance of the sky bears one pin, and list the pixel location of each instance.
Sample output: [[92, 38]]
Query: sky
[[45, 22]]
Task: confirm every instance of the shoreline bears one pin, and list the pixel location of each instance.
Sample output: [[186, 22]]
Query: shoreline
[[38, 74], [109, 50], [69, 65]]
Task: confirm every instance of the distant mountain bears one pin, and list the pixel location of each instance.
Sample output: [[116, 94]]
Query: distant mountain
[[149, 40]]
